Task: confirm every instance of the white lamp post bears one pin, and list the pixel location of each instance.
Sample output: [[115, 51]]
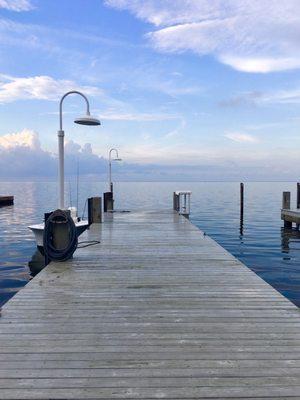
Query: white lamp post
[[109, 166], [85, 120]]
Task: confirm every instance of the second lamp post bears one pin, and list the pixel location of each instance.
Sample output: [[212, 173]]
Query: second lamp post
[[111, 186]]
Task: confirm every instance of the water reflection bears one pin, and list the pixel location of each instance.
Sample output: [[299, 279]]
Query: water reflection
[[288, 238]]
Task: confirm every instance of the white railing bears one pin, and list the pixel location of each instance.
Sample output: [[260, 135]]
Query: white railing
[[182, 202]]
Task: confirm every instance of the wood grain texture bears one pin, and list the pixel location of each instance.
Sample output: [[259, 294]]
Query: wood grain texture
[[156, 310]]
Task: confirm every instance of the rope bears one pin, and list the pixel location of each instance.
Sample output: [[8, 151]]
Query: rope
[[87, 243], [51, 252]]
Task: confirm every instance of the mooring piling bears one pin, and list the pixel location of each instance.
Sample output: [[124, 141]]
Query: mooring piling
[[241, 208], [94, 210], [108, 202]]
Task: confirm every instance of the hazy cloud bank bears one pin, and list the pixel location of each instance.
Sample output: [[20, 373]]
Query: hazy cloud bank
[[22, 156]]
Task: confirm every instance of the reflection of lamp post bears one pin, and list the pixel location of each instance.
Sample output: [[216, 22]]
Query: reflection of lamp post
[[109, 166], [86, 120]]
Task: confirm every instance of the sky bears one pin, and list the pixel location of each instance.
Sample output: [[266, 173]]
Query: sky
[[184, 89]]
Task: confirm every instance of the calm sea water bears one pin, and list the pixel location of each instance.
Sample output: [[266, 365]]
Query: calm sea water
[[270, 251]]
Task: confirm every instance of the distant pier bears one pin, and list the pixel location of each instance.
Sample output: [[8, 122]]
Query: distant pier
[[6, 201], [156, 310]]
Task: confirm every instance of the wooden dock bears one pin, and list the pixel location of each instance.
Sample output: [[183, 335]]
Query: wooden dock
[[6, 201], [157, 310], [290, 216]]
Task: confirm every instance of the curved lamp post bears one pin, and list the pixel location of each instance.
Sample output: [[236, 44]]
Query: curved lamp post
[[85, 120], [109, 166]]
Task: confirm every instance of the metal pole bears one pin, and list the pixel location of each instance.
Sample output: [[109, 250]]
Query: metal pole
[[109, 168], [109, 173], [61, 156]]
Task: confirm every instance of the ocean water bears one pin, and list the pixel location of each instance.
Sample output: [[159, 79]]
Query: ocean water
[[263, 245]]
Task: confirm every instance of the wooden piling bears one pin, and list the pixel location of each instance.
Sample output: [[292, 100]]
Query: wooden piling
[[108, 201], [286, 205], [286, 200], [95, 210], [241, 202]]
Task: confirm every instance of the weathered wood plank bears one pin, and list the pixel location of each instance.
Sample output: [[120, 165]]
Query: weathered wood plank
[[157, 310]]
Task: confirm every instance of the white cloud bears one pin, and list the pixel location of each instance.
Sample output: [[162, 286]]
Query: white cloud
[[241, 137], [38, 87], [135, 116], [16, 5], [25, 138], [21, 154], [286, 96], [248, 35]]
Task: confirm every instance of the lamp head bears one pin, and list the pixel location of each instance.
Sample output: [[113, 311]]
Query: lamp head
[[87, 120]]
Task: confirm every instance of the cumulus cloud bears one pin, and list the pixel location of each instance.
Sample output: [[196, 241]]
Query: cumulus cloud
[[38, 87], [25, 138], [21, 155], [16, 5], [249, 35], [241, 137]]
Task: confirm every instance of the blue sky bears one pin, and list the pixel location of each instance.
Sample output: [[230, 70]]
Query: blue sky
[[210, 85]]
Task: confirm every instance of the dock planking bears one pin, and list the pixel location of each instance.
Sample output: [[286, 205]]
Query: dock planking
[[156, 310]]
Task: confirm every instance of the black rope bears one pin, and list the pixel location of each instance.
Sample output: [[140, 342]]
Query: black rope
[[88, 243], [51, 252]]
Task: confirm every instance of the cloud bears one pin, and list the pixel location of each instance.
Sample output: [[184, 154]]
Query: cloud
[[38, 87], [21, 155], [255, 98], [241, 137], [252, 36], [25, 138], [112, 115], [16, 5]]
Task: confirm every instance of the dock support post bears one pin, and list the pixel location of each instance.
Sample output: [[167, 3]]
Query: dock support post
[[286, 200], [298, 195], [94, 210], [108, 201], [241, 208], [286, 205]]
